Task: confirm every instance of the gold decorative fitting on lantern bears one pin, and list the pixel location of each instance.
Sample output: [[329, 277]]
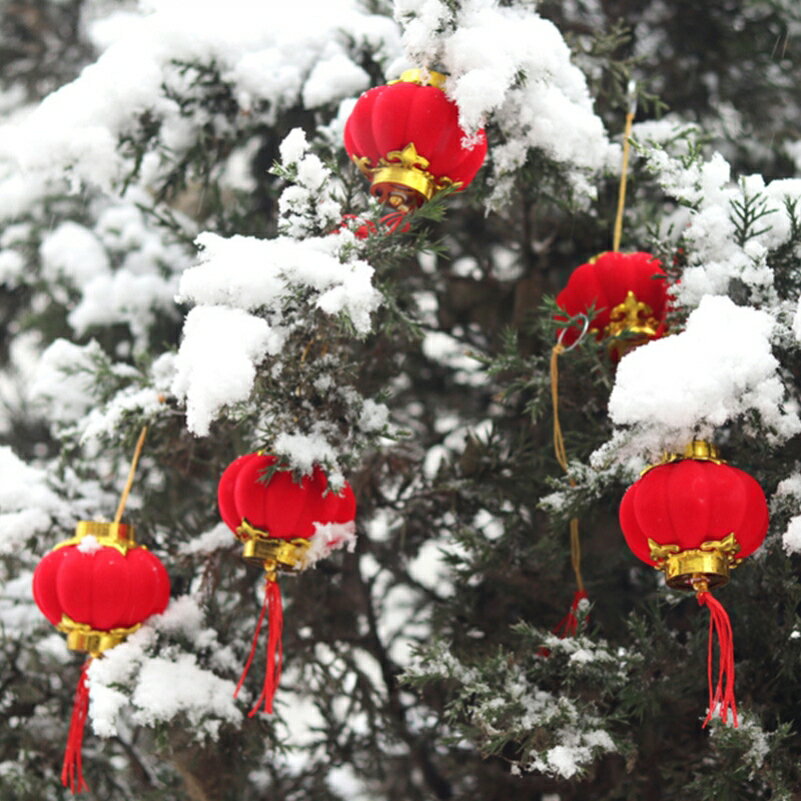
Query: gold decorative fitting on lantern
[[698, 449], [422, 78], [111, 535], [272, 553], [709, 565], [401, 178], [632, 316], [82, 637]]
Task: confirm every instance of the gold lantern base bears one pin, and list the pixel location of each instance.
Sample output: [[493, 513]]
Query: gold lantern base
[[401, 178], [271, 553], [697, 569], [82, 637]]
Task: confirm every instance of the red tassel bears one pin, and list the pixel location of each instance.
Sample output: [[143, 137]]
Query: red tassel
[[568, 625], [721, 695], [255, 642], [275, 649], [394, 220], [273, 608], [72, 770]]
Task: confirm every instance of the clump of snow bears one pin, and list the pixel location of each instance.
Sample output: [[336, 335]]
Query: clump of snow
[[283, 280], [274, 62], [720, 247], [89, 544], [167, 688], [791, 539], [250, 273], [485, 49], [11, 267], [570, 757], [64, 379], [72, 252], [27, 504], [446, 349], [123, 297], [310, 204], [719, 368], [303, 451], [217, 360], [330, 537], [160, 688]]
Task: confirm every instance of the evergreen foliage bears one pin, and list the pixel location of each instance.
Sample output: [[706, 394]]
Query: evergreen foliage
[[423, 665]]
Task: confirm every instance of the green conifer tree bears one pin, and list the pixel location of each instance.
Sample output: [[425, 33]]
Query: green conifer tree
[[173, 254]]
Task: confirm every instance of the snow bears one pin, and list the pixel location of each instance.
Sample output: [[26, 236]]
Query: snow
[[223, 344], [303, 451], [27, 504], [277, 60], [333, 78], [719, 368], [330, 537], [249, 273], [791, 539], [160, 687], [218, 538], [217, 361], [168, 687], [485, 49], [123, 298], [374, 416], [63, 380], [74, 252], [89, 544]]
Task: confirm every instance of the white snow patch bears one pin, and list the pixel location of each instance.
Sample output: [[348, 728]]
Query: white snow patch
[[720, 367], [89, 544], [330, 537], [791, 539], [217, 360]]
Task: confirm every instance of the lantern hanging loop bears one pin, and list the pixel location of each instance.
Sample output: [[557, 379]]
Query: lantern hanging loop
[[568, 348]]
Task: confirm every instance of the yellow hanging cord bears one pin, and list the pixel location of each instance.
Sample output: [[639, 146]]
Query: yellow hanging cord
[[558, 438], [561, 457], [131, 473], [624, 170]]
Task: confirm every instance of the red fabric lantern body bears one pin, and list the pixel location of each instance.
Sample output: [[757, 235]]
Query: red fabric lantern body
[[406, 138], [285, 526], [696, 518], [628, 292], [98, 587]]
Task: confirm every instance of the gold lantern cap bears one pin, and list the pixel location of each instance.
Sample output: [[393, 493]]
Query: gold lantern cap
[[422, 77], [111, 535]]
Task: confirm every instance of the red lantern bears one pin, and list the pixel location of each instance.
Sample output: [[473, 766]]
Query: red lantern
[[98, 587], [696, 518], [285, 526], [628, 292], [406, 138]]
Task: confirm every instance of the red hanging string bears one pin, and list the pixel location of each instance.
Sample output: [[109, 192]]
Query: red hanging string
[[568, 625], [394, 220], [721, 695], [255, 642], [72, 770], [275, 648]]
